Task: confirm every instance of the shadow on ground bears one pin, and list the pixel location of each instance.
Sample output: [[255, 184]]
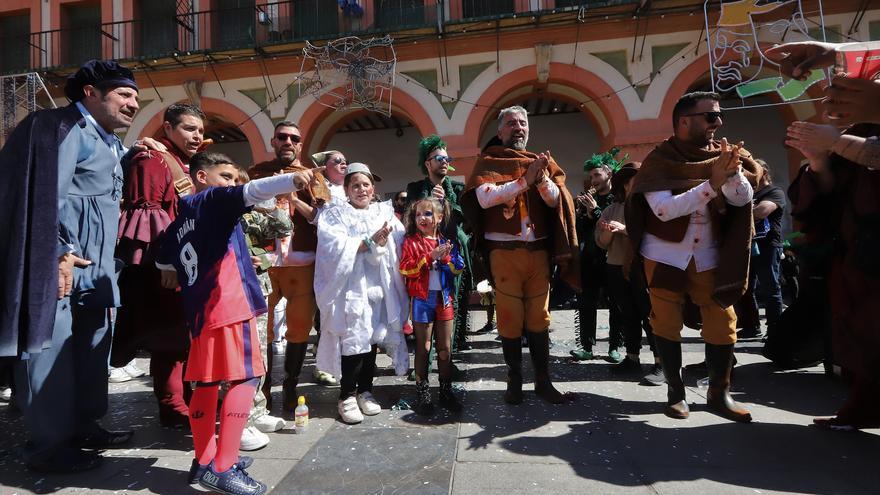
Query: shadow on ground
[[617, 436]]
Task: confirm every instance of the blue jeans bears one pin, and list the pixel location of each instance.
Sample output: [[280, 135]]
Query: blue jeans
[[764, 277]]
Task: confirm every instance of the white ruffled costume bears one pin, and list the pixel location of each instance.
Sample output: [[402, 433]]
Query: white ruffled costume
[[362, 296]]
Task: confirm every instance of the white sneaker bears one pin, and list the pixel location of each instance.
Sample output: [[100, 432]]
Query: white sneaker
[[133, 371], [324, 378], [349, 411], [118, 375], [5, 394], [253, 439], [368, 404], [268, 423]]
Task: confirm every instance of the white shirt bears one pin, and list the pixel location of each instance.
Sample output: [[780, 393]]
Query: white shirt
[[489, 195], [434, 280], [699, 243], [259, 190], [337, 191]]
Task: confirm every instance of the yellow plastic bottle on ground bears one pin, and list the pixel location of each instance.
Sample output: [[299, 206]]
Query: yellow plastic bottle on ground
[[301, 415]]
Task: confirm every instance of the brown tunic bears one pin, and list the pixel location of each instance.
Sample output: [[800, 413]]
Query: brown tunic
[[497, 165], [679, 166]]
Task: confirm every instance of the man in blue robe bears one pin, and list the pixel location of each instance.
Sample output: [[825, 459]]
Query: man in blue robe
[[60, 226]]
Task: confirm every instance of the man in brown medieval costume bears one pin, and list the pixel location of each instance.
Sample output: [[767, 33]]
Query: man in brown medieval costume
[[522, 216], [293, 275], [689, 216]]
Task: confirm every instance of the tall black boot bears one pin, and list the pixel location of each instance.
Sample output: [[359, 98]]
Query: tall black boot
[[719, 359], [294, 356], [513, 358], [539, 348], [267, 382], [424, 406], [447, 398], [670, 359]]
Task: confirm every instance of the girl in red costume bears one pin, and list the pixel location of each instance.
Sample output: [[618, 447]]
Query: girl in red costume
[[429, 262]]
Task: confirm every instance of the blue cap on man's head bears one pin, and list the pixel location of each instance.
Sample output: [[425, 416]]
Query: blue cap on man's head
[[101, 74]]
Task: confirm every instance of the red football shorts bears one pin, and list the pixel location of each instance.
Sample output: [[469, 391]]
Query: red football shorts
[[227, 353]]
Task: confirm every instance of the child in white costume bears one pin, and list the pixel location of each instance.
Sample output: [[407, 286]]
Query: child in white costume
[[361, 294]]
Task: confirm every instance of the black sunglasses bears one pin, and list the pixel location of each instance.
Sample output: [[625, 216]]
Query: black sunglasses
[[284, 137], [442, 159], [711, 117]]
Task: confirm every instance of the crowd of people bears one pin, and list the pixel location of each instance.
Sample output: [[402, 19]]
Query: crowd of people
[[226, 268]]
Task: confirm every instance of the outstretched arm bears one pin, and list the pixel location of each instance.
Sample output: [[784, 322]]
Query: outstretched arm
[[817, 140], [259, 190], [798, 59]]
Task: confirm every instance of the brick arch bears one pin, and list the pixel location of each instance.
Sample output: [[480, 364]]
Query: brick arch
[[579, 79], [402, 104], [213, 106], [589, 116]]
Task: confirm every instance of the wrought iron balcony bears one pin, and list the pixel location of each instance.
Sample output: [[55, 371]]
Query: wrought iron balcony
[[257, 27]]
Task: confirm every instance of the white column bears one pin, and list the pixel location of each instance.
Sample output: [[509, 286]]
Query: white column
[[118, 31], [46, 24]]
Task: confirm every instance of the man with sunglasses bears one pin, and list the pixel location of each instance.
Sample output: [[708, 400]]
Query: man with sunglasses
[[335, 169], [689, 209], [293, 275], [435, 163]]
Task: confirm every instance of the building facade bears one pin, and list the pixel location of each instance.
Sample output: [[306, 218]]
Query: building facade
[[593, 74]]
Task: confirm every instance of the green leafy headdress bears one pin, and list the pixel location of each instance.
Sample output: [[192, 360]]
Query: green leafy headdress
[[606, 160], [426, 146]]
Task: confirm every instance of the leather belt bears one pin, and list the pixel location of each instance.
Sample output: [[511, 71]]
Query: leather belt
[[539, 245]]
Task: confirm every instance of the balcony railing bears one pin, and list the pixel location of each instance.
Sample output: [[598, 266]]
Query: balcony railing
[[260, 25], [474, 9]]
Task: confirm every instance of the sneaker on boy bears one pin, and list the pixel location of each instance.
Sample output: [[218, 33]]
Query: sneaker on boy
[[233, 481]]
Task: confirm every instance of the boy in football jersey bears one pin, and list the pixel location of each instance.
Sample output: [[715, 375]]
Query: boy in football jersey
[[206, 252]]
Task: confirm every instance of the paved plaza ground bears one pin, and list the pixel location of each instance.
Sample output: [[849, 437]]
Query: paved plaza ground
[[612, 438]]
